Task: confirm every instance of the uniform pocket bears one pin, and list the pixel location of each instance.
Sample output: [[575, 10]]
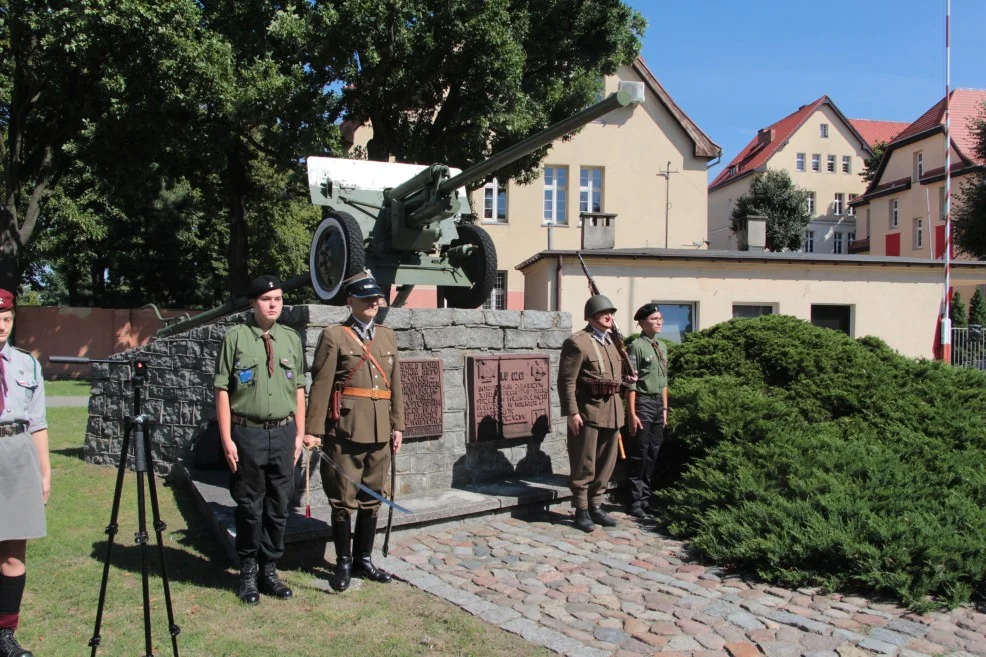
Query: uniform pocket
[[245, 372], [28, 386], [288, 369]]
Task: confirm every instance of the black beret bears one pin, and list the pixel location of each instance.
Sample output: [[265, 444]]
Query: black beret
[[645, 311], [262, 285]]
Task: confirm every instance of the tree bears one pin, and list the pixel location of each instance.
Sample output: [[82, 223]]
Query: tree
[[454, 81], [969, 209], [956, 311], [773, 195], [977, 309], [872, 162]]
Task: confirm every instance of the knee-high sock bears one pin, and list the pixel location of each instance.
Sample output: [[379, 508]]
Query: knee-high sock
[[11, 592]]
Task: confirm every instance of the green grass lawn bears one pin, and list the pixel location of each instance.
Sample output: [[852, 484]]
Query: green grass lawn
[[64, 573], [67, 388]]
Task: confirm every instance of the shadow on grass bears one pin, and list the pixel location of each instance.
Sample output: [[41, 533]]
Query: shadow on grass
[[71, 452], [183, 566]]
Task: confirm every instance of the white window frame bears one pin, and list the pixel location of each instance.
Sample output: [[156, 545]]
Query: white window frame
[[823, 130], [552, 193], [811, 204], [809, 246], [839, 204], [586, 191], [850, 237], [491, 203], [837, 243], [816, 162], [894, 213], [830, 163], [846, 164], [498, 295], [919, 232], [850, 209], [770, 307], [919, 165], [800, 162]]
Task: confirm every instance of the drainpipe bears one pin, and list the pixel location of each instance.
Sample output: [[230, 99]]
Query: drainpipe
[[558, 284]]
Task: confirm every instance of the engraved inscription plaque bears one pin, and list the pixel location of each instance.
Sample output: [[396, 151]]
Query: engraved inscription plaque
[[509, 396], [424, 396]]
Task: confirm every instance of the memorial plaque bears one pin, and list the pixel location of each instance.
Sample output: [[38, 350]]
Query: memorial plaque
[[509, 396], [424, 397]]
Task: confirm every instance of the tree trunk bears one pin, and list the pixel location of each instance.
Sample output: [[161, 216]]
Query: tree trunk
[[236, 191], [10, 247]]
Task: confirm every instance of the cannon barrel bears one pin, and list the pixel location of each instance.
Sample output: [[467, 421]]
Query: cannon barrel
[[228, 308], [520, 149]]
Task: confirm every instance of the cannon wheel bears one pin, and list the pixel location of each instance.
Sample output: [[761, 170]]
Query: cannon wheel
[[337, 253], [480, 269]]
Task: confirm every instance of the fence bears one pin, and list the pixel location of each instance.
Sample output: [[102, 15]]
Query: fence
[[969, 347]]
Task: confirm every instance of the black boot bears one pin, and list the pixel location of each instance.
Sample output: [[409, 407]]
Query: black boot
[[341, 536], [637, 512], [248, 582], [9, 646], [366, 530], [583, 521], [270, 584], [600, 517]]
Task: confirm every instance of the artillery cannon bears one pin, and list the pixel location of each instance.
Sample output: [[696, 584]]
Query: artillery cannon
[[410, 224]]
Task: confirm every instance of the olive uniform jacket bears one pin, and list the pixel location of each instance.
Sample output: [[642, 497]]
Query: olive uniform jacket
[[362, 420], [579, 364]]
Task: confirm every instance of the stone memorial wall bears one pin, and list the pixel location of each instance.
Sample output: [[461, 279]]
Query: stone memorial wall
[[521, 435]]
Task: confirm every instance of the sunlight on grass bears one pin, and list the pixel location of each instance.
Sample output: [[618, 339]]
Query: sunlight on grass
[[67, 388]]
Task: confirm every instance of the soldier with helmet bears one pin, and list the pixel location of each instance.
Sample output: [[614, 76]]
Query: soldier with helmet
[[260, 407], [590, 373], [25, 472], [356, 406]]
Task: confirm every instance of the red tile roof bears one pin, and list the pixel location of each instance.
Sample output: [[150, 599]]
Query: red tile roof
[[965, 104], [876, 131], [756, 153]]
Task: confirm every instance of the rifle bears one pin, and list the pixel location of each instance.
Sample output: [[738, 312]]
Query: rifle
[[618, 341]]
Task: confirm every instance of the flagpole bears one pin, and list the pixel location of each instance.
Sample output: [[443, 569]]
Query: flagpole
[[946, 322]]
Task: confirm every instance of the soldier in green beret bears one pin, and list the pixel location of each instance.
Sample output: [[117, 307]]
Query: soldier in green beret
[[260, 406]]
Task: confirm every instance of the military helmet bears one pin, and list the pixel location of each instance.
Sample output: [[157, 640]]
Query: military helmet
[[598, 303]]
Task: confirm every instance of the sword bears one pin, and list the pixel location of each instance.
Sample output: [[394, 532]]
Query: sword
[[375, 495], [393, 495]]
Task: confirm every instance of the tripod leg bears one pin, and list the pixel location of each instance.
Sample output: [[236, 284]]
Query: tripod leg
[[159, 527], [111, 530], [141, 538]]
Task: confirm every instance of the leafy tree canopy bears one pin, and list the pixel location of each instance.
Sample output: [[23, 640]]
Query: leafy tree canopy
[[872, 162], [969, 205], [773, 195]]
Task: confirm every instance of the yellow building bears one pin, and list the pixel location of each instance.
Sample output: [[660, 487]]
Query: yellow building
[[615, 168], [824, 152], [901, 213]]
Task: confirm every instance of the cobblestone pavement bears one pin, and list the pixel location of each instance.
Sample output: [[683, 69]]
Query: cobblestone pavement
[[628, 591]]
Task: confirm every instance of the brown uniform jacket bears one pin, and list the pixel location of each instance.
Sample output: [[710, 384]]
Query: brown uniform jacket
[[577, 366], [363, 420]]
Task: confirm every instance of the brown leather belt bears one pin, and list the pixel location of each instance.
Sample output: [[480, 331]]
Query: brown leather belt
[[244, 421], [370, 393], [8, 430]]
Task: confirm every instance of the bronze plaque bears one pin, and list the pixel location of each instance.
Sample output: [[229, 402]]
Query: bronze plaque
[[424, 397], [509, 396]]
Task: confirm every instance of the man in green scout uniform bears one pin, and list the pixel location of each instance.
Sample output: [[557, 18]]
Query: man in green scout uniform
[[589, 376], [359, 360], [25, 472], [260, 406], [647, 408]]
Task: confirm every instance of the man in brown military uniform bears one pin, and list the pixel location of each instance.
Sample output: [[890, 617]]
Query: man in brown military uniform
[[589, 376], [360, 359]]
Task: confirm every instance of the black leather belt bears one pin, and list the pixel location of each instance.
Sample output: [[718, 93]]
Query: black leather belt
[[244, 421], [8, 430]]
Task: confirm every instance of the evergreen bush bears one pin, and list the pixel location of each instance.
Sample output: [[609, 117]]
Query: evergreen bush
[[816, 459]]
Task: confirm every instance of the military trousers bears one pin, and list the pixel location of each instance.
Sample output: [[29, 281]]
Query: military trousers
[[367, 463], [262, 487], [592, 457], [643, 448]]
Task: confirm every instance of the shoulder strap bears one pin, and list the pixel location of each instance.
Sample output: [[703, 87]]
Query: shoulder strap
[[366, 354], [599, 356]]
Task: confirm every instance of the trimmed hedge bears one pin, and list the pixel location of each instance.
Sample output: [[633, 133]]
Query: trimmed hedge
[[816, 459]]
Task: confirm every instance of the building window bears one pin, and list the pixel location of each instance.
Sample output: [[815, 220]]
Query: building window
[[823, 130], [867, 221], [809, 241], [590, 190], [751, 311], [811, 204], [850, 209], [894, 207], [846, 164], [941, 203], [816, 162], [838, 318], [498, 296], [837, 242], [732, 170], [918, 233], [494, 203], [918, 165], [850, 237], [838, 203], [556, 195], [800, 161], [679, 319], [830, 163]]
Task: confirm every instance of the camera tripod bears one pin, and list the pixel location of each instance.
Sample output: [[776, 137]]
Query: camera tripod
[[136, 434]]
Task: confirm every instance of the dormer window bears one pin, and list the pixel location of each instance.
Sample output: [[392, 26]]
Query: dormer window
[[732, 170], [823, 130]]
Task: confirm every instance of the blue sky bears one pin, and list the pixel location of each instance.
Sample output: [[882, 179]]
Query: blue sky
[[735, 67]]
